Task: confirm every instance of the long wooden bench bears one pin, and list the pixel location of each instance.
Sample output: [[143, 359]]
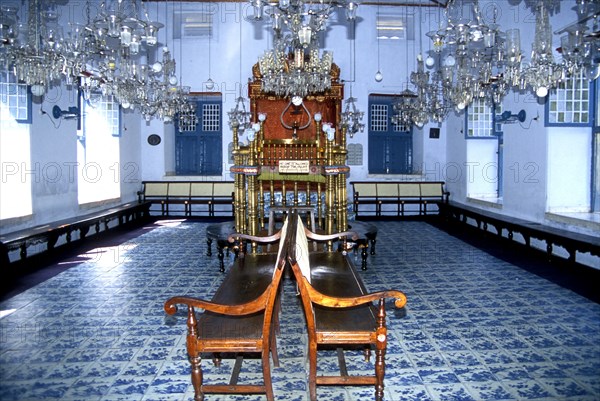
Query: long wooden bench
[[339, 310], [240, 318], [52, 232], [370, 197], [571, 241], [187, 194]]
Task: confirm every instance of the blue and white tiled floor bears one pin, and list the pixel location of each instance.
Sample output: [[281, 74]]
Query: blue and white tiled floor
[[476, 328]]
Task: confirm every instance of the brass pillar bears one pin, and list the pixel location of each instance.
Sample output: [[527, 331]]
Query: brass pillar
[[252, 191], [239, 191], [329, 190]]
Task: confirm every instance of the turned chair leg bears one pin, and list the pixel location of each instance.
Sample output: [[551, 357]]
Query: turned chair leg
[[197, 377]]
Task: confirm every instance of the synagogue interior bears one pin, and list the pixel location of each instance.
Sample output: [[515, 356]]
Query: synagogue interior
[[300, 200]]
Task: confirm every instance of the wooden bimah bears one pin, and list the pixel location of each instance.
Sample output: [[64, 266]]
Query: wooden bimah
[[295, 156]]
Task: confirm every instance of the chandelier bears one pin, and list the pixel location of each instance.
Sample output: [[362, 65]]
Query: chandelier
[[113, 53], [580, 44], [542, 73], [351, 118], [478, 60], [295, 65], [239, 117]]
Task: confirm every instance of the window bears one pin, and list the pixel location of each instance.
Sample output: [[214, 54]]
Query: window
[[15, 98], [198, 142], [480, 119], [390, 145], [395, 27], [98, 151], [15, 158], [569, 103], [485, 158], [572, 147]]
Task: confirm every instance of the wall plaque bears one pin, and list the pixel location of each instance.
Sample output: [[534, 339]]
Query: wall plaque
[[294, 166]]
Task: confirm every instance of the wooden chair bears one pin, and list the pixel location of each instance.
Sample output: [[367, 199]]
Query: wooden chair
[[238, 319], [338, 309]]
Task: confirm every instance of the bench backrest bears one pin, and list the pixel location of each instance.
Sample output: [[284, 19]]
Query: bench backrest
[[223, 189], [409, 190], [298, 257], [184, 189], [178, 190], [201, 189], [432, 189], [365, 189], [399, 189], [155, 189], [387, 189]]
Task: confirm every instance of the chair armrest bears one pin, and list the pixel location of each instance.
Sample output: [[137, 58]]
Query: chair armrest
[[256, 305], [347, 302], [328, 237], [253, 238]]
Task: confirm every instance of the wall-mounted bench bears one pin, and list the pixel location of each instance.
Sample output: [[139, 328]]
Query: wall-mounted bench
[[370, 197], [50, 233], [213, 197], [571, 241]]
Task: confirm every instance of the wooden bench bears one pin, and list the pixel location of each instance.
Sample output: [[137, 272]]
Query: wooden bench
[[50, 233], [398, 193], [187, 194], [571, 241], [339, 310], [240, 318]]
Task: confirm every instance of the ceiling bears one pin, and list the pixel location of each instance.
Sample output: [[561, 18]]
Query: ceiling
[[398, 3], [401, 3]]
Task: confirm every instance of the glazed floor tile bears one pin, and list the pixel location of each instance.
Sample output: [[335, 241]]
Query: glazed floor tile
[[475, 327]]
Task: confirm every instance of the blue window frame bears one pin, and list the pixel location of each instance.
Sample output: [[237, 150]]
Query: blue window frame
[[198, 142], [595, 190], [390, 145]]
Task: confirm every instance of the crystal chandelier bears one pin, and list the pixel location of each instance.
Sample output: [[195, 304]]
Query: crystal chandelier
[[351, 118], [580, 44], [295, 66], [542, 73], [475, 60], [300, 74], [239, 117], [109, 54], [404, 108]]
